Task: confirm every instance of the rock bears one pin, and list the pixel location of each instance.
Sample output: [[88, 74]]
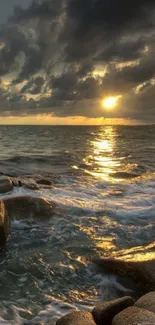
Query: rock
[[134, 316], [15, 183], [44, 182], [77, 318], [26, 206], [143, 273], [4, 224], [104, 313], [147, 302], [6, 184], [30, 186]]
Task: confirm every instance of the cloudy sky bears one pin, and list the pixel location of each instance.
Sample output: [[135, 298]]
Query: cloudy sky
[[60, 59]]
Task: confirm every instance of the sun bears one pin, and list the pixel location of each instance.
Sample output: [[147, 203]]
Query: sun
[[110, 102]]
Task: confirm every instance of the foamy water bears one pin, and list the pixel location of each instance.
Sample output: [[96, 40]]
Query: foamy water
[[103, 183]]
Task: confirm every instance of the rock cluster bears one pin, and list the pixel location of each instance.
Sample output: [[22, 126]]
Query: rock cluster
[[20, 206], [121, 311]]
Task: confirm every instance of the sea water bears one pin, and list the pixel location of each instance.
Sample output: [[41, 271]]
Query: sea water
[[103, 184]]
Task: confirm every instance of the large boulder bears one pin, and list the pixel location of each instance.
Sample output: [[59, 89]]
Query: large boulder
[[4, 224], [143, 273], [147, 302], [6, 184], [77, 318], [26, 206], [104, 313], [134, 316]]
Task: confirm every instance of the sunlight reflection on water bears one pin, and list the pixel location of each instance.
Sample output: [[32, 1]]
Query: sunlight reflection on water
[[104, 157]]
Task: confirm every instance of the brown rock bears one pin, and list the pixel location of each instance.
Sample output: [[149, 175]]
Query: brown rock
[[77, 318], [44, 182], [147, 302], [30, 186], [134, 316], [15, 182], [143, 273], [104, 313], [28, 207], [27, 183], [6, 184], [4, 225]]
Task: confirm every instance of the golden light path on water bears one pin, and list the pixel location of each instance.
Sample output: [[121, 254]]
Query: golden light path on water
[[103, 164], [103, 154]]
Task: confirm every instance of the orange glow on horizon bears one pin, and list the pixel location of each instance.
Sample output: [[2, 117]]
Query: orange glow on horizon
[[48, 119]]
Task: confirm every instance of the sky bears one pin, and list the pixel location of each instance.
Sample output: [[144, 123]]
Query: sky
[[60, 60]]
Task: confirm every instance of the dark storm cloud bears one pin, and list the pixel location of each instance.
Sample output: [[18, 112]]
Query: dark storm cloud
[[38, 9], [58, 48], [34, 86], [96, 23], [17, 41], [128, 50]]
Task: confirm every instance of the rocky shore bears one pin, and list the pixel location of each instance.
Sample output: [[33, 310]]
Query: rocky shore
[[122, 311], [21, 206]]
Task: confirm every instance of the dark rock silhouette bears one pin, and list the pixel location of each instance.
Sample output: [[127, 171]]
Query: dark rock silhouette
[[143, 273], [104, 313], [134, 316], [77, 318], [4, 225], [26, 206], [6, 184]]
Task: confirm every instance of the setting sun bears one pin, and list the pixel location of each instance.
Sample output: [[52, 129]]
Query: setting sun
[[110, 102]]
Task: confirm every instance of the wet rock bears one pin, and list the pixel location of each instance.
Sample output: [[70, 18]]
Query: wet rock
[[6, 184], [104, 313], [77, 318], [147, 302], [4, 224], [44, 182], [143, 273], [30, 186], [15, 183], [26, 206], [125, 175], [134, 316]]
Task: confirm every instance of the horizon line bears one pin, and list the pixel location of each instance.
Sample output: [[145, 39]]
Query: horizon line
[[97, 125]]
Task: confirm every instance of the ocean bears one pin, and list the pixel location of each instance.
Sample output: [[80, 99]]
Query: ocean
[[103, 184]]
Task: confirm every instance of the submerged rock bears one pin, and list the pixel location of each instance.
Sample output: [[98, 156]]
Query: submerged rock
[[30, 186], [147, 302], [6, 184], [26, 206], [104, 313], [134, 316], [4, 224], [143, 273], [44, 182], [77, 318]]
